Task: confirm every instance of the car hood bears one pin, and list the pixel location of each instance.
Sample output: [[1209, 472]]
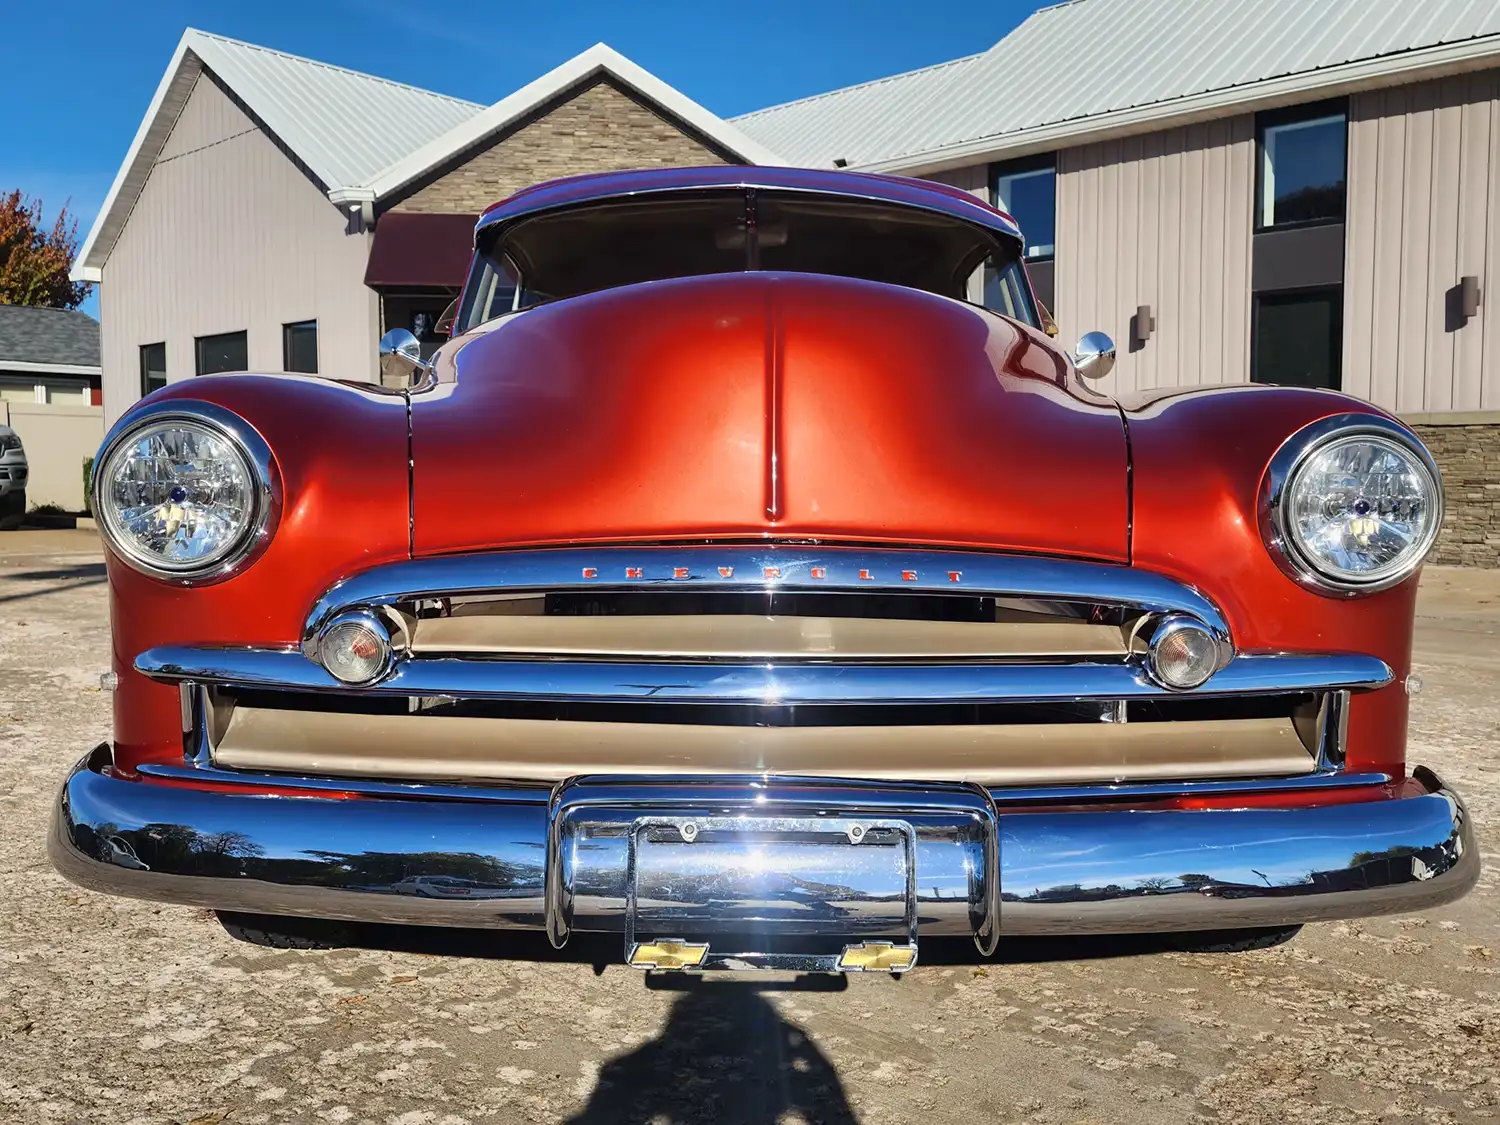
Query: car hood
[[765, 405]]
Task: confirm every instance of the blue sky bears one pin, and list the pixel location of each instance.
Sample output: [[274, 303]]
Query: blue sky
[[92, 66]]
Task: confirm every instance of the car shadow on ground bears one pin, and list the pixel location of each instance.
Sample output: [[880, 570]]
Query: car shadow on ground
[[724, 1055], [57, 580]]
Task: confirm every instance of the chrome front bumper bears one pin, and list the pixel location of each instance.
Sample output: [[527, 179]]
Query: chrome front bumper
[[699, 858]]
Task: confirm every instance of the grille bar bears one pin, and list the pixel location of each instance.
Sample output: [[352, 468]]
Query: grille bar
[[761, 683]]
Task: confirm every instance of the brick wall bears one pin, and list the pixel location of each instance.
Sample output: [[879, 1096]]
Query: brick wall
[[1469, 456], [600, 129]]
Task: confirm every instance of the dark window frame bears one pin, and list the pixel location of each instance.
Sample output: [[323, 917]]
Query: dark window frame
[[146, 378], [287, 330], [1291, 115], [1336, 358], [1037, 162], [200, 341]]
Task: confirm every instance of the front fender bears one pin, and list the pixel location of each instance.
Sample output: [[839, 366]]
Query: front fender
[[1199, 461], [341, 451]]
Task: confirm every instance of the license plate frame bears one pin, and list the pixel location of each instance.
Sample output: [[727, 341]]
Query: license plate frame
[[735, 874]]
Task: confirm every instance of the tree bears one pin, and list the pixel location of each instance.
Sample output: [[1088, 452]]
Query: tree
[[34, 262]]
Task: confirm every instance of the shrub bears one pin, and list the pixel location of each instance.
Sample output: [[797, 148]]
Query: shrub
[[88, 485]]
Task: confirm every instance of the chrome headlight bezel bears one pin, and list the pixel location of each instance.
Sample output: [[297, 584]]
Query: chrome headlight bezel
[[1282, 475], [247, 443]]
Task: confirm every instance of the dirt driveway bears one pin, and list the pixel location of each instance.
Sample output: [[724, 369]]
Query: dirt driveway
[[120, 1012]]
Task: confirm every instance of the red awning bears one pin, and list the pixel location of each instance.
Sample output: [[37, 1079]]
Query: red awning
[[414, 250]]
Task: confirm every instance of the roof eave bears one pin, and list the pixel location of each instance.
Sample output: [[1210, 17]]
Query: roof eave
[[184, 68], [1348, 78], [599, 59], [29, 366]]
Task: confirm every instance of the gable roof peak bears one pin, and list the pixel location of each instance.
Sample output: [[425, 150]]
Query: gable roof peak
[[600, 59]]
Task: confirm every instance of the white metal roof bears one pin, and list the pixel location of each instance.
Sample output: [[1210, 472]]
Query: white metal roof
[[342, 125], [1101, 65], [856, 124]]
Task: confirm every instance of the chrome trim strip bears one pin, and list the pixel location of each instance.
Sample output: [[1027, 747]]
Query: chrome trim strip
[[1104, 870], [1290, 457], [764, 683], [765, 567], [518, 791]]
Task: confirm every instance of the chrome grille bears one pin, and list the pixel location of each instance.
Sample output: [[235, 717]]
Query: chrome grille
[[924, 665]]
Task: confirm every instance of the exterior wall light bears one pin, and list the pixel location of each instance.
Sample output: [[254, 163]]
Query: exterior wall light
[[1142, 324]]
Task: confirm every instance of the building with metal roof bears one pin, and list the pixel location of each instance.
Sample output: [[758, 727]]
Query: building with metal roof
[[1086, 68], [1292, 191], [343, 126]]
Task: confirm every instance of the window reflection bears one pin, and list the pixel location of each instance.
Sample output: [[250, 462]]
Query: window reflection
[[1028, 193], [1302, 169]]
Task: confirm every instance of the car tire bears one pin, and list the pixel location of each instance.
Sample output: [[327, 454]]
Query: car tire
[[1236, 941], [273, 932]]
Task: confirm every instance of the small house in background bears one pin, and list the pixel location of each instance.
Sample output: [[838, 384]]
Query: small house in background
[[50, 395]]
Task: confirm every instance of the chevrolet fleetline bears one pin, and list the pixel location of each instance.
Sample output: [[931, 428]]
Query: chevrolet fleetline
[[751, 578]]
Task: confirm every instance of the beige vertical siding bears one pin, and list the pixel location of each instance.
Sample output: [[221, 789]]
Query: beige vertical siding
[[1162, 219], [229, 235], [1424, 188]]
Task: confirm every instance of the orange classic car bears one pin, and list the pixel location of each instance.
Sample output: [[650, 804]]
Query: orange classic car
[[750, 577]]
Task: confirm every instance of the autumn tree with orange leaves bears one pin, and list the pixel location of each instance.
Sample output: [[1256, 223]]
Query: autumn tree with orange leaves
[[34, 261]]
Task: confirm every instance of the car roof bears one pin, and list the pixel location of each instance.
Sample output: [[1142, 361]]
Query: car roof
[[899, 190]]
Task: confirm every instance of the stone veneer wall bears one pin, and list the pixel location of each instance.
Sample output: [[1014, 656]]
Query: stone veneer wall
[[600, 129], [1469, 456]]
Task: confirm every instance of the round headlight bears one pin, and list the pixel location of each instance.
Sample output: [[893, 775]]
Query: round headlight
[[180, 496], [1359, 510]]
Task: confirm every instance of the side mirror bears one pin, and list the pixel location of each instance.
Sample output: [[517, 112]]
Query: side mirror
[[1095, 357], [401, 363]]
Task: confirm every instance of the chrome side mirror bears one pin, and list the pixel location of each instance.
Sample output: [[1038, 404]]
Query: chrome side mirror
[[1095, 356], [401, 363]]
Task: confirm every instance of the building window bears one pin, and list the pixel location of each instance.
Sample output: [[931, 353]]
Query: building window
[[227, 352], [299, 347], [153, 368], [1298, 338], [1302, 158], [1027, 191]]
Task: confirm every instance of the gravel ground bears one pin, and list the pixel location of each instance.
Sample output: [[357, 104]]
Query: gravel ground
[[117, 1011]]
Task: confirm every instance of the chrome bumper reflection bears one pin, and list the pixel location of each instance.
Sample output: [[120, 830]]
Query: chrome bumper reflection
[[513, 858]]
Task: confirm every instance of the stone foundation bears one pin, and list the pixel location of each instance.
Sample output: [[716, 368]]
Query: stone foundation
[[1469, 456]]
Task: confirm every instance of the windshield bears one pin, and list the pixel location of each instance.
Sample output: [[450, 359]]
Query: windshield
[[566, 253]]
